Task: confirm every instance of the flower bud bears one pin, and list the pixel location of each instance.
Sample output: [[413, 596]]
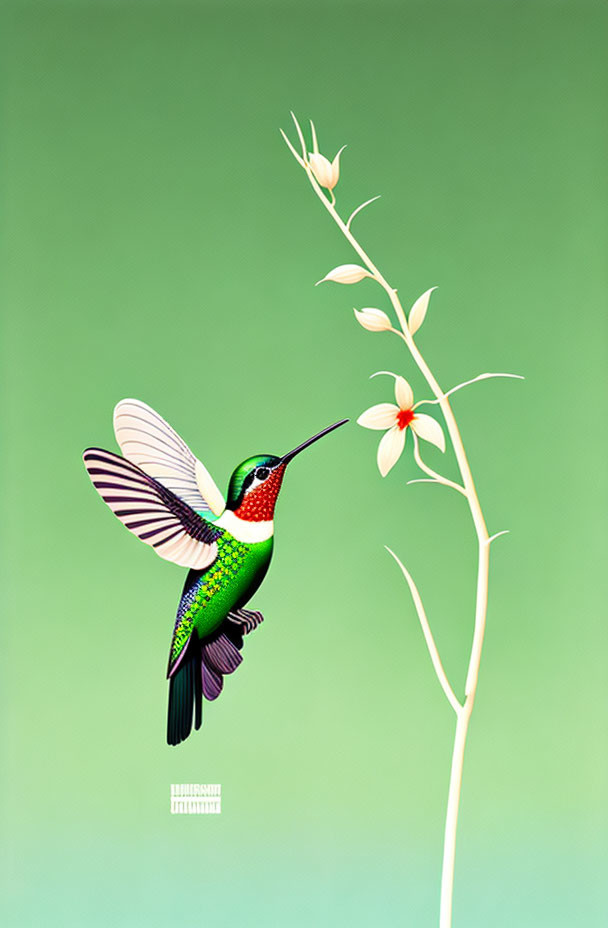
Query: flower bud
[[326, 172], [322, 170], [374, 320], [346, 274]]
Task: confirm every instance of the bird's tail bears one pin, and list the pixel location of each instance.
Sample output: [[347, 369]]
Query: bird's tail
[[185, 695], [200, 669]]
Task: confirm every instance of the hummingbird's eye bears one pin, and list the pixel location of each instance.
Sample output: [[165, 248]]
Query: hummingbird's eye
[[261, 473]]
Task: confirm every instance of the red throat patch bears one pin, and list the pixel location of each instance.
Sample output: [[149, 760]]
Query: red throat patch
[[258, 505]]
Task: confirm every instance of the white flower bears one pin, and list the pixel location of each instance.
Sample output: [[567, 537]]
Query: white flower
[[346, 274], [396, 419], [374, 320]]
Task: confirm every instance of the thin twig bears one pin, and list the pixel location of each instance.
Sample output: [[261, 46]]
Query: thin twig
[[467, 382], [497, 535], [358, 210], [428, 636], [433, 473], [301, 138], [292, 149]]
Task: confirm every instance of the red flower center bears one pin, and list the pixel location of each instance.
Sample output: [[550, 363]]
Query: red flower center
[[404, 417]]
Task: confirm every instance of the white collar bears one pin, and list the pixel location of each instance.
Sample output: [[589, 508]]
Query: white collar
[[243, 530]]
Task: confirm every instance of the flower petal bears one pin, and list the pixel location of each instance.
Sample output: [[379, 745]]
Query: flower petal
[[382, 416], [428, 428], [335, 168], [390, 448], [403, 393]]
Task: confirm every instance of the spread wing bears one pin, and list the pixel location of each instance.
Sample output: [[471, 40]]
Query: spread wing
[[150, 442], [152, 511]]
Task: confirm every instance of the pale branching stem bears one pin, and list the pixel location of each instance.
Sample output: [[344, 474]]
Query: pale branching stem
[[433, 473], [424, 480], [292, 149], [428, 636], [468, 487], [301, 138], [497, 535], [358, 210], [467, 383]]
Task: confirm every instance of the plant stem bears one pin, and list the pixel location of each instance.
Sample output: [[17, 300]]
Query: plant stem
[[463, 712], [438, 478], [428, 636], [451, 819]]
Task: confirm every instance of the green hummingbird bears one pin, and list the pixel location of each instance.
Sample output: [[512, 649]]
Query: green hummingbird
[[163, 494]]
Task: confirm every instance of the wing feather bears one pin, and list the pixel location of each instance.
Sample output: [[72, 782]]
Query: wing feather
[[152, 511], [147, 440]]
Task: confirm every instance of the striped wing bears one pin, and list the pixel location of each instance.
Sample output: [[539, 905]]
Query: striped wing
[[150, 442], [152, 511]]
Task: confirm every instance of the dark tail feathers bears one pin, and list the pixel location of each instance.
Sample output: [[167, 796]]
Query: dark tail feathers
[[185, 694]]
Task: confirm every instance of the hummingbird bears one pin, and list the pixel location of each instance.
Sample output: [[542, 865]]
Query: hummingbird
[[166, 497]]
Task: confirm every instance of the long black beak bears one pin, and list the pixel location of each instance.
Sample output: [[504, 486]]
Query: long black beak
[[291, 454]]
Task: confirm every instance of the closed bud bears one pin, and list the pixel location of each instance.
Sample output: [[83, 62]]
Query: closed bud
[[374, 320], [327, 173], [346, 274]]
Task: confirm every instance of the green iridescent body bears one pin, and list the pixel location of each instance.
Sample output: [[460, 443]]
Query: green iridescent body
[[227, 584]]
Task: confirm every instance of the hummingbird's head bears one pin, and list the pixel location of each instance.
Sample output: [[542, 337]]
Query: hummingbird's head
[[254, 487], [255, 484]]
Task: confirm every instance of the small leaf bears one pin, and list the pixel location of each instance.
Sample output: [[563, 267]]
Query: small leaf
[[346, 274], [418, 311]]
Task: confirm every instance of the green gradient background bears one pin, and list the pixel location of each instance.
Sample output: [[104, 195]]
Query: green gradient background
[[160, 242]]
